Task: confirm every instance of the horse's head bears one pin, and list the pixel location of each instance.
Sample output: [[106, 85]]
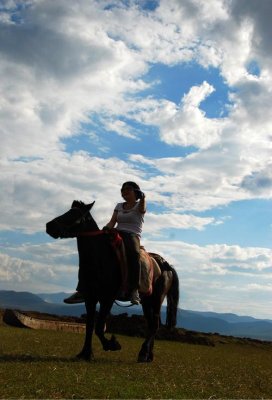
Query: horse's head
[[77, 219]]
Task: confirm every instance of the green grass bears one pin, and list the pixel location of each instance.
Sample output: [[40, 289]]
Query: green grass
[[41, 364]]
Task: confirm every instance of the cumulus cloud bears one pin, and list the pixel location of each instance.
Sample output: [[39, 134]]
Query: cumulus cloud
[[186, 124], [259, 183], [216, 259], [199, 181], [37, 191], [50, 266], [155, 223], [53, 73], [258, 14], [220, 277], [47, 95], [26, 275]]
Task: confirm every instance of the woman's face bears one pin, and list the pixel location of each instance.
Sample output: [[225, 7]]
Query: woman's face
[[128, 194]]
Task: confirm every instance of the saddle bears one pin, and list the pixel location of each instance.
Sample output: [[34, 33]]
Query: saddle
[[150, 270]]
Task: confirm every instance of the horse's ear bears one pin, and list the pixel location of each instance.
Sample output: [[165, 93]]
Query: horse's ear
[[89, 206], [75, 204]]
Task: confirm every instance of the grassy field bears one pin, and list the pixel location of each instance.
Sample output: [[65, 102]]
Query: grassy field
[[41, 364]]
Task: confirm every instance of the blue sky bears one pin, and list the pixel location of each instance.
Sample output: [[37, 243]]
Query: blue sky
[[173, 95]]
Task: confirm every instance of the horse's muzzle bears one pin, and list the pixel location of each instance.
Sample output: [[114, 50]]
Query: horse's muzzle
[[53, 230]]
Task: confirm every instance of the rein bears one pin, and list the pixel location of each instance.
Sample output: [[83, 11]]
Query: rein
[[91, 233]]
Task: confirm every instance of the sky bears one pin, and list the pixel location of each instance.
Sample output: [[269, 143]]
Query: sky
[[172, 94]]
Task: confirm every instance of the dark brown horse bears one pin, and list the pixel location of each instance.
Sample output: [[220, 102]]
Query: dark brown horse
[[101, 275]]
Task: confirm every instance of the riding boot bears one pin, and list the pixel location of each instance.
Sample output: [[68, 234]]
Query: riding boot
[[75, 298], [78, 295]]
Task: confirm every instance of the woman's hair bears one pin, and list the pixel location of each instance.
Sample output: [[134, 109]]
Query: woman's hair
[[134, 186]]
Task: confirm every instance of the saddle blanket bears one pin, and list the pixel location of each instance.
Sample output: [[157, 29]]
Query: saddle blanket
[[150, 271]]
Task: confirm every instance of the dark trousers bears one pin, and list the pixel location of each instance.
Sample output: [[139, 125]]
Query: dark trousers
[[132, 246]]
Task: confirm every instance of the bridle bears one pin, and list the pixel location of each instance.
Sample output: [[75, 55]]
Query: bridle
[[77, 221]]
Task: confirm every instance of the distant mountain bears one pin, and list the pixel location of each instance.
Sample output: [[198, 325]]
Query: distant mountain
[[228, 317], [53, 297], [26, 301], [224, 324], [13, 298]]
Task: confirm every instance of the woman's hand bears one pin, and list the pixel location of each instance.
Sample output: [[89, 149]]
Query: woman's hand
[[139, 194]]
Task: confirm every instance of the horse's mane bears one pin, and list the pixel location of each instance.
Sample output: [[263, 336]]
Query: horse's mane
[[78, 204]]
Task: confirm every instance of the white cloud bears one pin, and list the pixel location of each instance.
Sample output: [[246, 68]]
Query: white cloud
[[189, 126], [259, 182], [18, 274], [220, 277], [34, 267], [39, 190], [185, 124], [120, 127], [259, 17], [258, 288], [155, 223], [197, 182], [46, 95], [53, 73]]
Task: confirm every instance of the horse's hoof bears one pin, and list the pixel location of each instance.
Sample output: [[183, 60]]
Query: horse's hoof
[[112, 345], [145, 358], [85, 356]]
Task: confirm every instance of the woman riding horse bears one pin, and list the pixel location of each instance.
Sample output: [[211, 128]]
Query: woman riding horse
[[129, 217], [102, 280]]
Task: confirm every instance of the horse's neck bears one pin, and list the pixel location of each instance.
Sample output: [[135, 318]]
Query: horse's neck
[[91, 225], [96, 252], [85, 247]]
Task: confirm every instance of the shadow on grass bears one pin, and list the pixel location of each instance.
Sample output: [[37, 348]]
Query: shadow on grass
[[28, 358], [31, 358]]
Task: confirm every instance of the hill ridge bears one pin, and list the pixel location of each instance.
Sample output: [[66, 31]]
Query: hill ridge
[[207, 322]]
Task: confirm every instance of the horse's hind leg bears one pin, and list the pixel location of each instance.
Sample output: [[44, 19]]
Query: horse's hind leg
[[153, 320], [146, 352], [87, 351], [108, 344], [152, 309]]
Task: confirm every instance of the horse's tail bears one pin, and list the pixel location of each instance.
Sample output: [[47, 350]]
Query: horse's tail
[[172, 300]]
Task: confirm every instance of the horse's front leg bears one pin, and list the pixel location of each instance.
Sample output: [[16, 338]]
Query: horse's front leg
[[87, 351], [108, 344]]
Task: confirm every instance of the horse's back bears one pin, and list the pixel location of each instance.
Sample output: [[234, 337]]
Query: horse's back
[[162, 263]]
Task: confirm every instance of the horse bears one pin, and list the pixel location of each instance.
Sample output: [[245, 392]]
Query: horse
[[100, 273]]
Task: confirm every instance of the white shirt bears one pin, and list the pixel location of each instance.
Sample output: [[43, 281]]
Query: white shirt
[[129, 220]]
